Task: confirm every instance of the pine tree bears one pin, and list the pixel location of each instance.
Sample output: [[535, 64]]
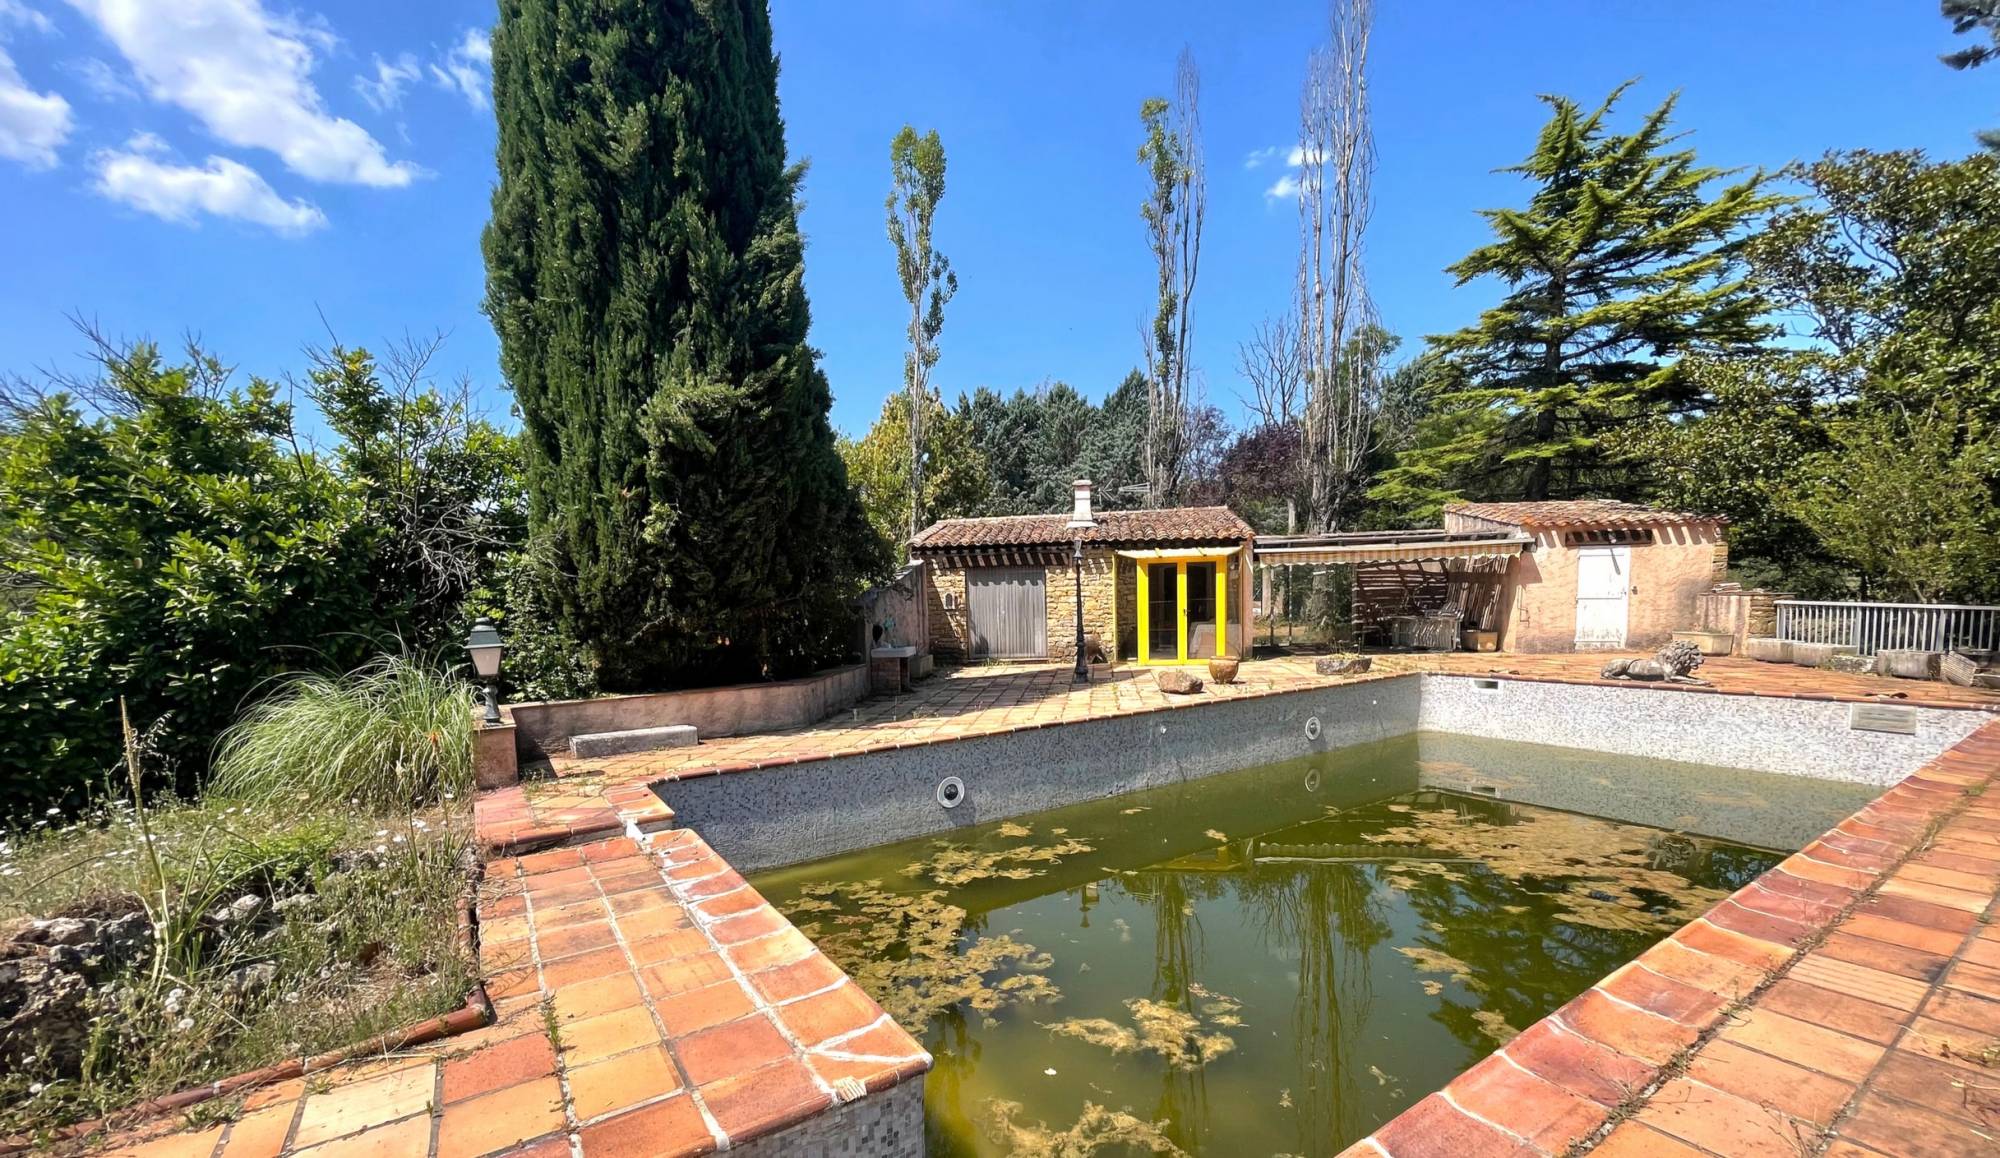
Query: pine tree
[[645, 276], [1622, 262]]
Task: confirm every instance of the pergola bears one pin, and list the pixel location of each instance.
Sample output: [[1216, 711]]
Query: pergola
[[1394, 569]]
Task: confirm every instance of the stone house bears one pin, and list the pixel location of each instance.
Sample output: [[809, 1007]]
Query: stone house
[[1591, 574], [1170, 585]]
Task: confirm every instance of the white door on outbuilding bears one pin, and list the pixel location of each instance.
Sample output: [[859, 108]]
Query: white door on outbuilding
[[1603, 588]]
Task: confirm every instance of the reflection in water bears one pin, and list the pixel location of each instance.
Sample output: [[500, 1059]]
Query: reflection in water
[[1347, 946]]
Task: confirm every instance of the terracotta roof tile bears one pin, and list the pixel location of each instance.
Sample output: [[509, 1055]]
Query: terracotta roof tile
[[1577, 513], [1167, 525]]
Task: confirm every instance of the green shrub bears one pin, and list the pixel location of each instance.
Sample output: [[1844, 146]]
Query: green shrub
[[387, 736], [166, 548]]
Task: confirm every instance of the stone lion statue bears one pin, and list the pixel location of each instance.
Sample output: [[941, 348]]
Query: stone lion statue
[[1673, 663]]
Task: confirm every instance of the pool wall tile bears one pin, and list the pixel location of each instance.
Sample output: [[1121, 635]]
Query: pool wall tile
[[1794, 737], [768, 817]]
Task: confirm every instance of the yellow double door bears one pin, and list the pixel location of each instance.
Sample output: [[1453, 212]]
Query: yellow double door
[[1183, 609]]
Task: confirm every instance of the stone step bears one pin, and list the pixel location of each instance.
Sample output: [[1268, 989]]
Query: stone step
[[635, 740]]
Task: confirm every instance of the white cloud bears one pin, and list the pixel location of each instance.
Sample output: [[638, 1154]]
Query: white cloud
[[1260, 157], [136, 175], [104, 81], [246, 74], [15, 12], [468, 68], [1285, 186], [32, 124], [384, 90]]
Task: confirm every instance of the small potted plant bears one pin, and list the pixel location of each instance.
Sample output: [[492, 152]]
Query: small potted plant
[[1222, 669]]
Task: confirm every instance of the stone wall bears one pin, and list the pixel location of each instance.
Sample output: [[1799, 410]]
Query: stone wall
[[951, 631], [1742, 613], [1100, 603]]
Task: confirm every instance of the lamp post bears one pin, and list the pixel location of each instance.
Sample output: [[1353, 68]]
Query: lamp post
[[1082, 663], [484, 646], [1080, 520]]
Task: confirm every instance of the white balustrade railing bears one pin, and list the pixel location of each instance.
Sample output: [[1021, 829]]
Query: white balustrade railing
[[1872, 627]]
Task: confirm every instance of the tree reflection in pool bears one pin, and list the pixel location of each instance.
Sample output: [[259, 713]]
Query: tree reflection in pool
[[1278, 960]]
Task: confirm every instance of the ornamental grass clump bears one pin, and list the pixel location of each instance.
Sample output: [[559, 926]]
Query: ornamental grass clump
[[389, 736]]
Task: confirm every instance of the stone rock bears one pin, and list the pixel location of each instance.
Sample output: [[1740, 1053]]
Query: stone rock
[[1987, 679], [1343, 664], [1818, 654], [1177, 681], [1957, 669], [1907, 663], [67, 931], [241, 911], [1768, 649], [45, 1012], [1852, 664], [249, 980]]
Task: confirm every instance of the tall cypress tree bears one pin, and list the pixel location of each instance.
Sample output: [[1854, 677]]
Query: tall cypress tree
[[1624, 260], [645, 276]]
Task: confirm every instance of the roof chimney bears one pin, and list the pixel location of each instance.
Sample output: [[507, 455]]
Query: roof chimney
[[1081, 518]]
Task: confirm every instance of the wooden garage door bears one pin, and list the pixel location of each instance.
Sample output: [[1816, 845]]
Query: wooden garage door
[[1009, 612]]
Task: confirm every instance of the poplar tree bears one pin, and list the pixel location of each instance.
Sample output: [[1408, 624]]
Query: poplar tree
[[645, 277], [1626, 259], [916, 165]]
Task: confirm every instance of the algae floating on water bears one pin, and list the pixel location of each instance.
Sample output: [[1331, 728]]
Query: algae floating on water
[[1095, 1130]]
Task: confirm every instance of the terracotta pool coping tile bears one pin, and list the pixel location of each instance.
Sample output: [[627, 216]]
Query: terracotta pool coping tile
[[669, 1127], [1638, 1140], [1897, 1127], [1804, 1043], [1548, 1116], [698, 1009], [835, 1013], [1722, 1122], [766, 1100], [1900, 993], [1834, 1010], [1803, 1093], [1958, 1007], [1625, 1028], [1924, 913], [1435, 1128], [1901, 933], [594, 998], [1659, 994], [730, 1049]]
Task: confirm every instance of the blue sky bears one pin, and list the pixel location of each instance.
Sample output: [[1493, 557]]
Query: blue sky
[[241, 168]]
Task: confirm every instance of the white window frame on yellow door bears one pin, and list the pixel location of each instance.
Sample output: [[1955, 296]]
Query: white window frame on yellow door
[[1144, 561]]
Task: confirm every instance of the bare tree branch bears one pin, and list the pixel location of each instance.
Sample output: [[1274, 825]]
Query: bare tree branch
[[1340, 343]]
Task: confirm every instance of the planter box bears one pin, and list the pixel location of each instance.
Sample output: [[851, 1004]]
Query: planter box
[[1818, 654], [1708, 642], [1908, 663], [1768, 649], [1474, 639]]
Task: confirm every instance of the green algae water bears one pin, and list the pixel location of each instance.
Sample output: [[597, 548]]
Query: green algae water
[[1278, 960]]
